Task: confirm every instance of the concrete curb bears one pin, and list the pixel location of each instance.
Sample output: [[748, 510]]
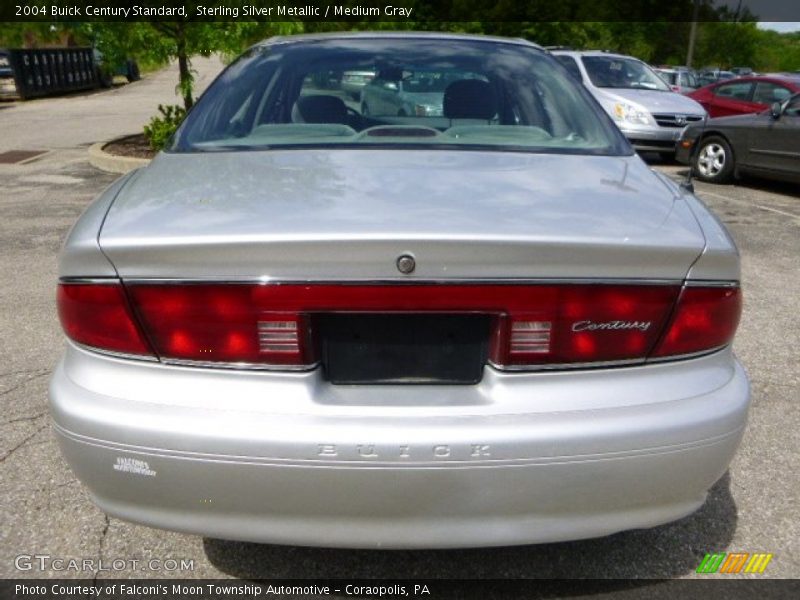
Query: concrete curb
[[112, 163]]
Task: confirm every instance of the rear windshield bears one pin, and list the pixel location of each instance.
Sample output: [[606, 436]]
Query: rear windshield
[[396, 92], [619, 72]]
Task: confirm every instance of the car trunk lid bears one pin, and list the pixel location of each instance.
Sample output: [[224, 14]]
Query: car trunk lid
[[349, 214]]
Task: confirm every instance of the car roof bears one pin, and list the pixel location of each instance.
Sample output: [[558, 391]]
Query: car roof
[[593, 53], [777, 78], [351, 35]]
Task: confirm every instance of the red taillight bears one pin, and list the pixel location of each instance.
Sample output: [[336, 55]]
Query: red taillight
[[583, 324], [705, 318], [271, 324], [222, 323], [98, 315], [533, 324]]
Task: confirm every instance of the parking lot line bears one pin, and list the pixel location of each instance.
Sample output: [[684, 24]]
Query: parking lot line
[[744, 202]]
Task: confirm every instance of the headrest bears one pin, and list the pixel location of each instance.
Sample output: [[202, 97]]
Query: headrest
[[319, 109], [470, 99], [391, 74]]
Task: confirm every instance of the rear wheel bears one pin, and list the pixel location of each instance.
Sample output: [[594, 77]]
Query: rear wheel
[[132, 71], [104, 78], [714, 160]]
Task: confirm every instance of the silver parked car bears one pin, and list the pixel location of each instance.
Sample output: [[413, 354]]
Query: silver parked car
[[649, 113], [353, 82], [679, 80], [409, 92], [304, 325]]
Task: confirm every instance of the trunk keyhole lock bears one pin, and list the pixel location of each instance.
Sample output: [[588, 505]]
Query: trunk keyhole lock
[[406, 264]]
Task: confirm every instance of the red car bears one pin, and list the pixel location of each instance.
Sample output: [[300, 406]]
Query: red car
[[745, 95]]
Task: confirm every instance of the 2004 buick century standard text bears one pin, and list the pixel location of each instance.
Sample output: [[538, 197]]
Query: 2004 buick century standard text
[[308, 322]]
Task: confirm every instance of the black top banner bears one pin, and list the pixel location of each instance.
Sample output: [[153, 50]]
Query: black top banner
[[412, 11]]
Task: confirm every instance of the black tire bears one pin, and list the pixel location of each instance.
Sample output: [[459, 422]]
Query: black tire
[[104, 78], [132, 71], [714, 161]]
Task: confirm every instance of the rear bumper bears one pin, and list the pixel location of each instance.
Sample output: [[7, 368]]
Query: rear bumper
[[287, 458]]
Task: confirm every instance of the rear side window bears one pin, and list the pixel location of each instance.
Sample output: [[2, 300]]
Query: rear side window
[[793, 108], [768, 93], [734, 91], [571, 65]]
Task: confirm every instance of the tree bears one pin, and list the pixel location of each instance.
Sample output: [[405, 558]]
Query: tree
[[159, 42]]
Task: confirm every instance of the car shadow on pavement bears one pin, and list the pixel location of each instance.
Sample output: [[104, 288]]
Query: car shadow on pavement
[[666, 551], [783, 188]]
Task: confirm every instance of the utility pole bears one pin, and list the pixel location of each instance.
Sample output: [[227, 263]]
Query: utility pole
[[692, 34]]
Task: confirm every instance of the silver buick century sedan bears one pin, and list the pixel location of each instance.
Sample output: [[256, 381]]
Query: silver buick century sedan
[[306, 325]]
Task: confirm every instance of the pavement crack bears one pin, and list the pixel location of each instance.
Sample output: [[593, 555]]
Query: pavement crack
[[24, 372], [23, 442], [101, 546], [22, 383], [21, 419]]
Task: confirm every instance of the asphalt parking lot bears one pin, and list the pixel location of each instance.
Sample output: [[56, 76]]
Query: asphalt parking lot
[[45, 511]]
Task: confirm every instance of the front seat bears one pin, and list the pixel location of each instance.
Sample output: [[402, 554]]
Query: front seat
[[470, 99], [319, 109]]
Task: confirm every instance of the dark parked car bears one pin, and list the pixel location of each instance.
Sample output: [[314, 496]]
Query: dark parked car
[[765, 144], [107, 69], [745, 95], [5, 64], [8, 89]]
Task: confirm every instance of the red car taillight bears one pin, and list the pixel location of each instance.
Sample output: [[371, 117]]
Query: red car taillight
[[222, 323], [583, 324], [271, 324], [98, 315], [705, 318]]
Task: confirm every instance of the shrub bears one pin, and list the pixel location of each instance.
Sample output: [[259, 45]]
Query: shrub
[[161, 128]]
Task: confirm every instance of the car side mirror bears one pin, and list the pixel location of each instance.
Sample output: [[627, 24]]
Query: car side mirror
[[775, 110]]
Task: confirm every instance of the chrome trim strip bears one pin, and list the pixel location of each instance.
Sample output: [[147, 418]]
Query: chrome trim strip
[[664, 359], [179, 362], [565, 366], [84, 280], [403, 281], [634, 362], [710, 283], [143, 357], [193, 363]]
